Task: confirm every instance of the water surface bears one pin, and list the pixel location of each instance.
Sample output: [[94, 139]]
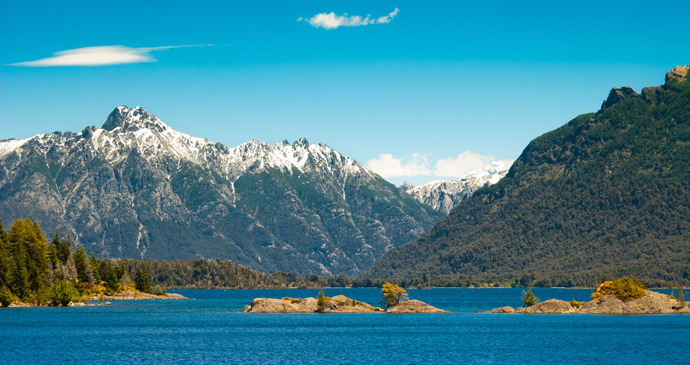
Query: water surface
[[211, 329]]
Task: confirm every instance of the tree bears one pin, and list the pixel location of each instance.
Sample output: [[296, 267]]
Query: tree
[[83, 266], [322, 300], [681, 295], [670, 295], [95, 268], [62, 293], [5, 296], [142, 280], [528, 298], [392, 295]]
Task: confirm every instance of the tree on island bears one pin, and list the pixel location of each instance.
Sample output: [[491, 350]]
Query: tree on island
[[681, 296], [393, 295], [322, 300], [528, 298]]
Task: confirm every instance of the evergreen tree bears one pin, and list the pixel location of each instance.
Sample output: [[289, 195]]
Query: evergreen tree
[[19, 276], [81, 261], [681, 296], [95, 268], [142, 280], [528, 298]]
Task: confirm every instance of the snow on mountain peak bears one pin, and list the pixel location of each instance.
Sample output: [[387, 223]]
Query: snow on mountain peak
[[128, 129]]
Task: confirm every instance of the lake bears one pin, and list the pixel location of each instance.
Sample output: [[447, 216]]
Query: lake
[[211, 329]]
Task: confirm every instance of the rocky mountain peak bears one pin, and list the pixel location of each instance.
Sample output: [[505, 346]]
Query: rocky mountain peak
[[132, 120], [617, 95], [678, 74]]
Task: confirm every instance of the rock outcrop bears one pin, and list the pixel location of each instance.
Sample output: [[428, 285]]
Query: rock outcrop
[[414, 306], [678, 74], [285, 305], [650, 303], [503, 310], [343, 304], [140, 296], [551, 306]]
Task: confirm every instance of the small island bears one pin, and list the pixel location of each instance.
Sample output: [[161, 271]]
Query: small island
[[622, 296], [394, 298]]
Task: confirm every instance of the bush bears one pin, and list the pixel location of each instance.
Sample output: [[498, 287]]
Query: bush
[[603, 289], [62, 293], [576, 304], [5, 296], [627, 289], [160, 292]]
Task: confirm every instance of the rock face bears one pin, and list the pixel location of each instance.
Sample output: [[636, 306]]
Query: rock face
[[140, 296], [414, 306], [678, 74], [138, 188], [343, 304], [650, 303], [551, 306], [444, 195], [503, 310], [285, 305]]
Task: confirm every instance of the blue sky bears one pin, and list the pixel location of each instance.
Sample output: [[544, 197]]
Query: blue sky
[[432, 90]]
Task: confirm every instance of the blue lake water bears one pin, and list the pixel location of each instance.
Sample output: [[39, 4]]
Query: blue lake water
[[211, 329]]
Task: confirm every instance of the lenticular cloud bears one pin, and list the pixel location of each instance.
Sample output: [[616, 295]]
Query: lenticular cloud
[[97, 56], [332, 21]]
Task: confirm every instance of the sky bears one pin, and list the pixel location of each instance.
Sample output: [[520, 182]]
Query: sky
[[416, 91]]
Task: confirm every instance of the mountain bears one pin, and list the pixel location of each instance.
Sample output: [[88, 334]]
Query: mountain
[[444, 195], [138, 188], [608, 192]]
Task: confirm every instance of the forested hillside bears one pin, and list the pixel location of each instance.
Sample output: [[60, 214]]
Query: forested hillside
[[608, 192]]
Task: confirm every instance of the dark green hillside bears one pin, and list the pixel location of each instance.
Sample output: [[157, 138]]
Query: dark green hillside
[[607, 192]]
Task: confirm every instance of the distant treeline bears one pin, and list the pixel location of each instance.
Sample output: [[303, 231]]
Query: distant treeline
[[31, 267]]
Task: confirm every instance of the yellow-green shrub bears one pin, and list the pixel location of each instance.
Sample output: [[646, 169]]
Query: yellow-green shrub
[[576, 304], [627, 289], [603, 289]]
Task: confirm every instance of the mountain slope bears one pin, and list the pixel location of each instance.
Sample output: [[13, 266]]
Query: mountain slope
[[608, 190], [140, 189], [444, 195]]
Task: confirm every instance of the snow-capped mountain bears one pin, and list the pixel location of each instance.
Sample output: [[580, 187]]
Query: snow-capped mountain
[[138, 188], [444, 195]]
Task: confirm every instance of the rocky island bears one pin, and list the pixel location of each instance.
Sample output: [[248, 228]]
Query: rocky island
[[394, 297], [623, 296]]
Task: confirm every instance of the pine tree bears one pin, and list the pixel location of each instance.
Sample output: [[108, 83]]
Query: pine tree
[[681, 296], [528, 298], [19, 277], [95, 268], [142, 280], [83, 266]]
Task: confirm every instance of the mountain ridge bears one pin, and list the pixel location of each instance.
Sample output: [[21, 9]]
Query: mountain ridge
[[606, 192], [139, 188]]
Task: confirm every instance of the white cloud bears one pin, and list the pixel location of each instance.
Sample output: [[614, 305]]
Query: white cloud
[[388, 166], [332, 21], [416, 164], [97, 56], [464, 163]]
